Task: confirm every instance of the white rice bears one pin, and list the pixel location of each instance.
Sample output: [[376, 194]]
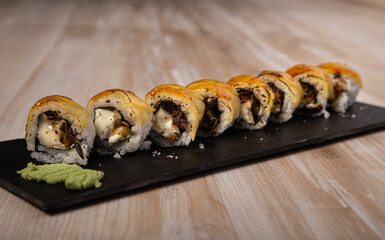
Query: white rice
[[226, 113], [183, 140], [242, 124]]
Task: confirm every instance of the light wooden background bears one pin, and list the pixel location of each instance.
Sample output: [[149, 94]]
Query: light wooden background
[[80, 48]]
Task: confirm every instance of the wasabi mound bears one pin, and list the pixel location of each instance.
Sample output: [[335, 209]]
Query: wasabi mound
[[73, 176]]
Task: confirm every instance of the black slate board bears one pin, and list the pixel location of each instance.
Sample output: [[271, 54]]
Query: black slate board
[[141, 168]]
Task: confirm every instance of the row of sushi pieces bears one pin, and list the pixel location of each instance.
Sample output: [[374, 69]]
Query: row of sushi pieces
[[117, 122]]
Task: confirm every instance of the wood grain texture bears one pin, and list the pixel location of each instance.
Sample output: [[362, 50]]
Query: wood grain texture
[[78, 48]]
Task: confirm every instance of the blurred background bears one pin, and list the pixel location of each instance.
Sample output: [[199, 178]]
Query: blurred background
[[79, 48]]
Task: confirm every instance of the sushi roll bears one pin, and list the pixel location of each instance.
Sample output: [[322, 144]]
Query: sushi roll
[[122, 121], [178, 111], [256, 99], [346, 84], [221, 106], [288, 94], [317, 89], [59, 130]]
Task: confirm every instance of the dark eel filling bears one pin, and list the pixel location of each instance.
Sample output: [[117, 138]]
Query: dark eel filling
[[211, 116], [310, 96], [310, 93], [63, 129], [245, 96], [178, 118], [278, 100]]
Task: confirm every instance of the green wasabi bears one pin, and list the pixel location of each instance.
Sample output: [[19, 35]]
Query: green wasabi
[[73, 176]]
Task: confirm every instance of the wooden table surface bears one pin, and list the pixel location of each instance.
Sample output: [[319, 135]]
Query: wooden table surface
[[77, 49]]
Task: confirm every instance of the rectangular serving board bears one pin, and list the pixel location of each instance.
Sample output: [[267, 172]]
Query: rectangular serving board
[[145, 168]]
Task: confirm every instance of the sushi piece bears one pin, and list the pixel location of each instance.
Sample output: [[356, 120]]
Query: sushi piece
[[58, 130], [221, 106], [178, 111], [317, 88], [346, 84], [288, 94], [256, 99], [122, 121]]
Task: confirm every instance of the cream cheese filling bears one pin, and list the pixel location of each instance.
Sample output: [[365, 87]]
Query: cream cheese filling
[[163, 124], [107, 126], [245, 112], [48, 135]]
